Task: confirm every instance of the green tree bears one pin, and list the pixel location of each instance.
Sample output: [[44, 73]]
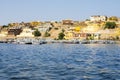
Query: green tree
[[47, 34], [37, 33], [5, 26], [61, 36], [110, 25]]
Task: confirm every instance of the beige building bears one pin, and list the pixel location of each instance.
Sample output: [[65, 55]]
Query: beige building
[[70, 35]]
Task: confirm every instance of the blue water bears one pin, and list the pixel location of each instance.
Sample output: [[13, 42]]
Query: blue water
[[60, 62]]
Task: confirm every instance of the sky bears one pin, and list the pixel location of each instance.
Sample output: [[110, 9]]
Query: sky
[[55, 10]]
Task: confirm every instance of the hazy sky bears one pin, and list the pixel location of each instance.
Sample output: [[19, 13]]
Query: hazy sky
[[51, 10]]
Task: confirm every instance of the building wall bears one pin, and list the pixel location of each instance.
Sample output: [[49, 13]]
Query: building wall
[[98, 18], [75, 35], [67, 22], [14, 32]]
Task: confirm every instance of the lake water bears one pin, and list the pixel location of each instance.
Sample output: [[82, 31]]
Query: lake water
[[60, 62]]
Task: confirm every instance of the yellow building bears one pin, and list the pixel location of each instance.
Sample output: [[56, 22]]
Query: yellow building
[[77, 28]]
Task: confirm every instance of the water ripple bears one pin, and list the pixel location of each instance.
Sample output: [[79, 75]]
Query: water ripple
[[60, 62]]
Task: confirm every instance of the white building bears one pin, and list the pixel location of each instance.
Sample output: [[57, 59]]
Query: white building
[[98, 18], [27, 32]]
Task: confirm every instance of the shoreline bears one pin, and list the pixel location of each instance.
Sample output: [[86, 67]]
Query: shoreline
[[49, 41]]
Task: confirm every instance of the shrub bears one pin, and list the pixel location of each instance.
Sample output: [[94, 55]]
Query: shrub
[[110, 25], [37, 33], [56, 28], [61, 36]]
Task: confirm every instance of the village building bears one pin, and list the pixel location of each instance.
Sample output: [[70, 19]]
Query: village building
[[98, 18], [67, 22], [69, 35], [14, 31], [27, 32]]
